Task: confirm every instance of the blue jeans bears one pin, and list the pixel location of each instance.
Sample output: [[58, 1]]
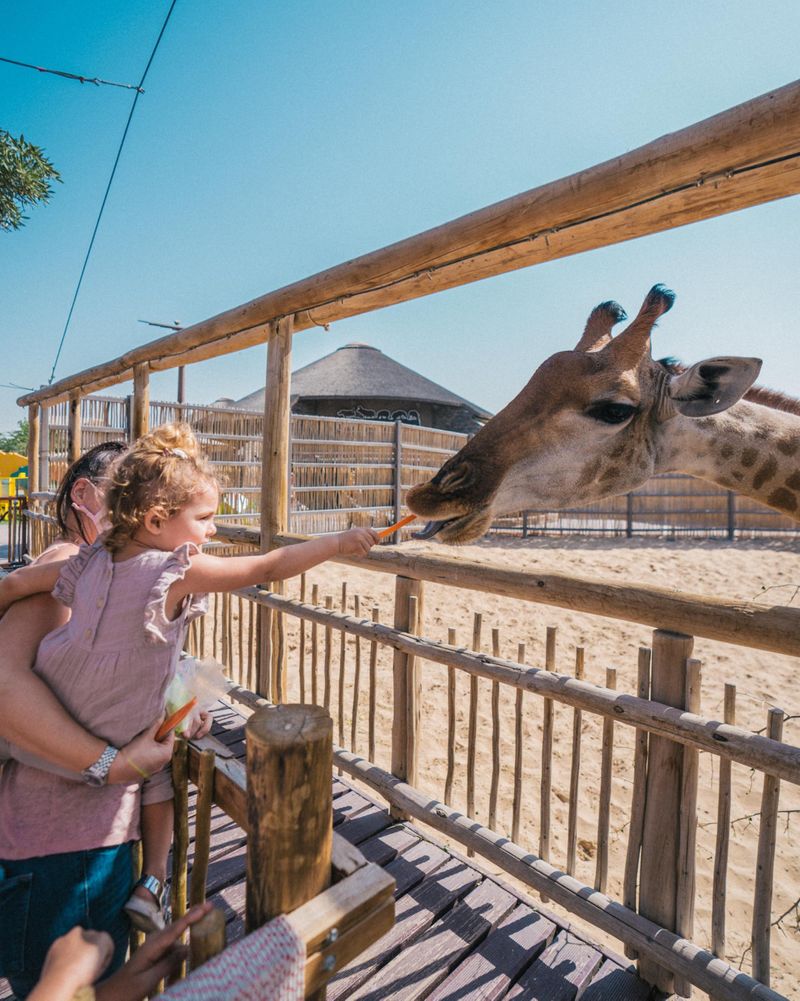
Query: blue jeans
[[42, 898]]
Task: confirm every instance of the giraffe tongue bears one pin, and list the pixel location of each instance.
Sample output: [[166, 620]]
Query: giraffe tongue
[[431, 529]]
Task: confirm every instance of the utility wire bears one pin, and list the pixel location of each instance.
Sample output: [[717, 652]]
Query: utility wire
[[139, 91], [73, 76]]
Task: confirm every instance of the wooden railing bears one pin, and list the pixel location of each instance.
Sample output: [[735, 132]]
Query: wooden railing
[[654, 917]]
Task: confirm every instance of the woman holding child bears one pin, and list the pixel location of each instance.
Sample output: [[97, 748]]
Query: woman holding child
[[132, 592]]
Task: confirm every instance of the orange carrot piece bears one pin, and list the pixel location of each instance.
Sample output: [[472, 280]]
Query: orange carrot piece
[[172, 721], [397, 525]]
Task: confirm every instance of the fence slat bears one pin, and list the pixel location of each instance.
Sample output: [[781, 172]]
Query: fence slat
[[767, 832], [719, 894], [604, 812], [575, 770]]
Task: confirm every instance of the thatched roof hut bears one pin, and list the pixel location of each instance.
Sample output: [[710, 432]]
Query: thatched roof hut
[[359, 381]]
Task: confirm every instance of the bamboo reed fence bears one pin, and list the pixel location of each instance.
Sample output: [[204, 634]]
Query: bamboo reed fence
[[744, 156]]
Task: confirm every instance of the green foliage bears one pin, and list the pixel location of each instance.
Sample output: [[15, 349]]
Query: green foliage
[[25, 176], [15, 441]]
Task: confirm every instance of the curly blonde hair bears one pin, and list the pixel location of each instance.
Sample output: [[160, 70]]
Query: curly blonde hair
[[163, 470]]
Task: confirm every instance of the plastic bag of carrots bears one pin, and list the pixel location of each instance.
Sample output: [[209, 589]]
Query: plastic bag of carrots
[[196, 686]]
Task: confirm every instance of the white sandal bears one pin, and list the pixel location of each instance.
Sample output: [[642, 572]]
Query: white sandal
[[147, 915]]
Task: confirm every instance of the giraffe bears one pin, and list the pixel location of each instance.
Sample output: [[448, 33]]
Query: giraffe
[[602, 419]]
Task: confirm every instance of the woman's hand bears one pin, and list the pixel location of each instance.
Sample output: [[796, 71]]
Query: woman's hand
[[159, 957], [142, 757], [357, 541], [73, 961]]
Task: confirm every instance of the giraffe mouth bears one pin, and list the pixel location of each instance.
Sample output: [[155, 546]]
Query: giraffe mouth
[[459, 530]]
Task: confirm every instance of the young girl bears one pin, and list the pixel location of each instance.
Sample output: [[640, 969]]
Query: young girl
[[132, 594]]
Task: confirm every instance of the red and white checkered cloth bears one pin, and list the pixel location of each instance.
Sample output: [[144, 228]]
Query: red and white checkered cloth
[[268, 965]]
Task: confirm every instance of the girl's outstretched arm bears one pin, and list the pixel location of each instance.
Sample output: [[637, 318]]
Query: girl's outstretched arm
[[226, 573]]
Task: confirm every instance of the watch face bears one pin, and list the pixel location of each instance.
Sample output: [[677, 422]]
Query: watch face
[[91, 778]]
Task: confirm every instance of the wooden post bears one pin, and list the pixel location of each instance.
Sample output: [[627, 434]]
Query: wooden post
[[74, 428], [180, 847], [289, 809], [33, 448], [660, 854], [202, 837], [181, 384], [44, 449], [684, 904], [206, 938], [731, 514], [140, 421], [275, 494], [405, 670], [629, 515], [398, 470]]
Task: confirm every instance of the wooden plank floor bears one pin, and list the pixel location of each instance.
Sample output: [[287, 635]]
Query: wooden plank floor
[[459, 932]]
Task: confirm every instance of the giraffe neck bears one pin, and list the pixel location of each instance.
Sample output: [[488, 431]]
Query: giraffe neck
[[752, 449]]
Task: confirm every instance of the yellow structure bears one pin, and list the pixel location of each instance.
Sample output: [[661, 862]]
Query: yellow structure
[[13, 478]]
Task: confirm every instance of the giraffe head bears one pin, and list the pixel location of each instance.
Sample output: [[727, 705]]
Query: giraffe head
[[589, 424]]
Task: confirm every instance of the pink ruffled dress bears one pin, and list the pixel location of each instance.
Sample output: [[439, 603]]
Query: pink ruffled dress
[[109, 666]]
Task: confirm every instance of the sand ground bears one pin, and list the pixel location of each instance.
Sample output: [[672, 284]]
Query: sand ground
[[766, 571]]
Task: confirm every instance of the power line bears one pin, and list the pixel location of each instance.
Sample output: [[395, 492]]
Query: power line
[[139, 91], [73, 76]]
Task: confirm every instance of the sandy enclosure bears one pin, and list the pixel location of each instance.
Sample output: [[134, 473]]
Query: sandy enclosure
[[766, 571]]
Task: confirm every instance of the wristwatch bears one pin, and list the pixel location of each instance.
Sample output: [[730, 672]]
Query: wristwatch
[[97, 774]]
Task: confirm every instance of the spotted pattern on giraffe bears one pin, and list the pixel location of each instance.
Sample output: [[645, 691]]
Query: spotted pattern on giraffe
[[783, 498], [749, 456], [766, 472]]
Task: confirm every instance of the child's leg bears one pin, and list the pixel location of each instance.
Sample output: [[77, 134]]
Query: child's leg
[[144, 907], [156, 841]]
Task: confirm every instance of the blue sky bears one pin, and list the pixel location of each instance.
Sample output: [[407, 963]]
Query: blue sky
[[278, 139]]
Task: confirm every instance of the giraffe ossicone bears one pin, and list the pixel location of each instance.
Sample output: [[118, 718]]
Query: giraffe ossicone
[[600, 420]]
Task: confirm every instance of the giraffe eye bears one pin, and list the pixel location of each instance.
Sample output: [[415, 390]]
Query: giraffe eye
[[609, 412]]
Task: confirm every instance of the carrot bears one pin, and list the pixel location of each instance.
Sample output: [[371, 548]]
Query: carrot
[[178, 716], [397, 525]]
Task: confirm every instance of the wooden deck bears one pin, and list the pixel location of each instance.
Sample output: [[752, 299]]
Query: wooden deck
[[459, 932]]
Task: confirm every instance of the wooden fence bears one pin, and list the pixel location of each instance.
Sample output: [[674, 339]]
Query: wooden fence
[[486, 775], [347, 472]]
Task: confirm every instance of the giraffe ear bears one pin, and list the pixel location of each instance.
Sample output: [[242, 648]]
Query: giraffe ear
[[713, 385]]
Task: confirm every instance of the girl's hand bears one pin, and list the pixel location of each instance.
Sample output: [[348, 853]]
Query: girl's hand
[[73, 961], [199, 725], [158, 957], [357, 541], [142, 757]]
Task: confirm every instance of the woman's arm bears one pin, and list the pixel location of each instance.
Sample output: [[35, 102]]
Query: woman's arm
[[226, 573], [32, 717], [35, 579]]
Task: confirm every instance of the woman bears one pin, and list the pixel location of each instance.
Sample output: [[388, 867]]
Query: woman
[[35, 722]]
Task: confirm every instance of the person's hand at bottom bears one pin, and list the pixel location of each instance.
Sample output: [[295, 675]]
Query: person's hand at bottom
[[157, 958], [73, 961]]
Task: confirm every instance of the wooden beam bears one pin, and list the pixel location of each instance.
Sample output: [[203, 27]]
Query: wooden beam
[[743, 156]]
